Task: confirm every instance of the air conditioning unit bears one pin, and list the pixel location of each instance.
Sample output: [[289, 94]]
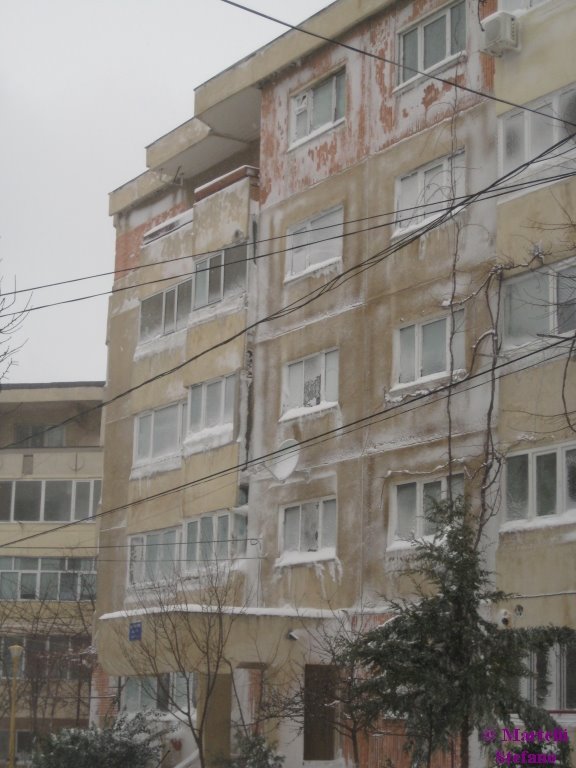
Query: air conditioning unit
[[500, 33]]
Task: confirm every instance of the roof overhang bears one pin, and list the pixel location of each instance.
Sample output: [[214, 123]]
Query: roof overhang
[[224, 130]]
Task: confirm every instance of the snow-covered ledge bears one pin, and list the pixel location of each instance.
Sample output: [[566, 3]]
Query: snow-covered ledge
[[206, 439], [155, 466], [307, 410], [295, 557]]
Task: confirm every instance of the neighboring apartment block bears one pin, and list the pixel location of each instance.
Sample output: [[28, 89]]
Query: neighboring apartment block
[[50, 487], [362, 256]]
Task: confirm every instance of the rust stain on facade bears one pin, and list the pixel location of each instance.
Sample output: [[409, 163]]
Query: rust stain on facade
[[128, 243], [430, 95]]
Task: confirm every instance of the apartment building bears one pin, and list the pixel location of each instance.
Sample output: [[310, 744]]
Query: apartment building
[[50, 487], [337, 291], [535, 234]]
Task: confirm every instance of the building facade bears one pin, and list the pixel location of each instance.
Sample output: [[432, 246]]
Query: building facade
[[338, 287], [50, 487]]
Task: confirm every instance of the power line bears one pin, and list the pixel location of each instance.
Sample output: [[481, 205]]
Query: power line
[[450, 389], [502, 191], [369, 54], [331, 284], [415, 235]]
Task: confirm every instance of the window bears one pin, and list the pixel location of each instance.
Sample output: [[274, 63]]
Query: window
[[216, 276], [312, 381], [154, 557], [541, 483], [47, 578], [552, 681], [424, 348], [158, 433], [172, 691], [56, 657], [215, 538], [318, 107], [39, 436], [212, 403], [428, 192], [540, 303], [414, 502], [140, 694], [314, 242], [24, 746], [433, 41], [320, 686], [525, 135], [48, 500], [310, 526]]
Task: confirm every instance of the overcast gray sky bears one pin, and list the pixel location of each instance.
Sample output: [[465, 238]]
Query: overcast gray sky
[[85, 85]]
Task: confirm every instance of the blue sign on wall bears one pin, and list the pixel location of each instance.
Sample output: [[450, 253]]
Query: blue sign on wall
[[135, 631]]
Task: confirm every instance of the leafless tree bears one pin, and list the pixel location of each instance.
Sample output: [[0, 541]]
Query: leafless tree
[[187, 621]]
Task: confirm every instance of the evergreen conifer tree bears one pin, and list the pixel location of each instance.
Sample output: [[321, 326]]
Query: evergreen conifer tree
[[440, 663]]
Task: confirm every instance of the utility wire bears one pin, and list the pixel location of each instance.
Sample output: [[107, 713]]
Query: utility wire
[[331, 284], [346, 46], [434, 210], [416, 235], [369, 54], [450, 389]]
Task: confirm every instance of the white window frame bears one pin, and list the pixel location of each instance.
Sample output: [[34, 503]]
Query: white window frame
[[554, 103], [563, 502], [428, 200], [328, 394], [172, 317], [134, 693], [145, 557], [228, 388], [135, 697], [95, 491], [557, 673], [407, 76], [302, 103], [200, 552], [420, 530], [58, 657], [324, 546], [139, 428], [553, 274], [454, 327], [307, 255], [82, 582]]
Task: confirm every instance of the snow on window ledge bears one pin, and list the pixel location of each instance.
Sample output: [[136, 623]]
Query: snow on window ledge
[[537, 523], [155, 466], [547, 172], [314, 134], [455, 58], [295, 413], [405, 387], [313, 269], [210, 437], [401, 545], [295, 557], [165, 343], [410, 229]]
